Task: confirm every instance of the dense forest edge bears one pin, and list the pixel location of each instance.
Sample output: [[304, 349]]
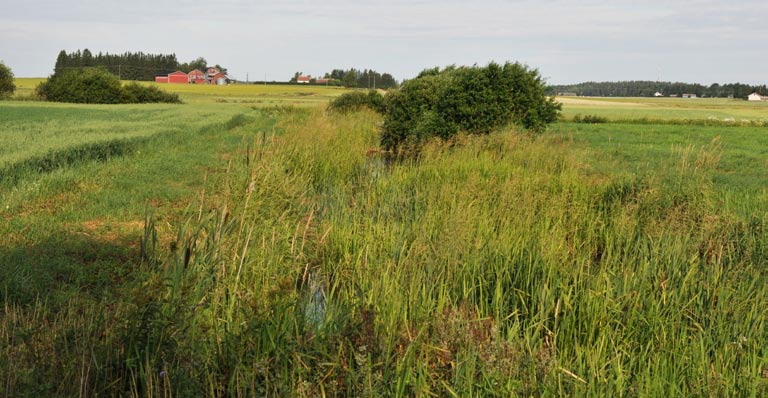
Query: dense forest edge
[[641, 88]]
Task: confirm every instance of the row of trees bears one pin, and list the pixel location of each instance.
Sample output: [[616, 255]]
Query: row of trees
[[366, 78], [128, 66], [355, 78], [650, 88], [200, 64]]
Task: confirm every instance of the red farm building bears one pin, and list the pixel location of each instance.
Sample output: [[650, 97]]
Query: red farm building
[[303, 79], [197, 77], [178, 77], [161, 79], [219, 79]]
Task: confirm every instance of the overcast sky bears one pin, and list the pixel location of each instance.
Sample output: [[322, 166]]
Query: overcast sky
[[700, 41]]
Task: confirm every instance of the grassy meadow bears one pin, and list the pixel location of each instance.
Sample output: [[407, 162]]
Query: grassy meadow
[[246, 94], [667, 109], [248, 243]]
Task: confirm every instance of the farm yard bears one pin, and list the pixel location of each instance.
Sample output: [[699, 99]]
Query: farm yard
[[249, 243]]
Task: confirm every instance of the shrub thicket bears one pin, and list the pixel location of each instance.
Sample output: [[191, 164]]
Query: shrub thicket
[[98, 86], [357, 100], [6, 81], [134, 93], [474, 100], [590, 119]]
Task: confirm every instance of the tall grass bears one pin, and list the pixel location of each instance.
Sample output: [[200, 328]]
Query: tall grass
[[499, 265]]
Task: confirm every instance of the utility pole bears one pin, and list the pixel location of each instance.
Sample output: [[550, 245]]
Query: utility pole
[[246, 77], [374, 80]]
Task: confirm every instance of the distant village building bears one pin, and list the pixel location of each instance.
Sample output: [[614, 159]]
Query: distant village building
[[322, 80], [178, 77], [303, 79], [219, 79], [175, 77], [757, 97], [197, 77], [211, 76], [658, 94], [690, 96]]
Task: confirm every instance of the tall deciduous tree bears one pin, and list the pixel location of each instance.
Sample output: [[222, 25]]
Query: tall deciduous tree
[[7, 87]]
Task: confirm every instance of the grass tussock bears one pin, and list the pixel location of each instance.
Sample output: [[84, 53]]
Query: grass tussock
[[495, 265]]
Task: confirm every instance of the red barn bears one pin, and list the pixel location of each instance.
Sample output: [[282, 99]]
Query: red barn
[[197, 77], [178, 77], [219, 79], [161, 79], [303, 79]]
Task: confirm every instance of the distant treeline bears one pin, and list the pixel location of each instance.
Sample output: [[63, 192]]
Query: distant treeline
[[366, 78], [128, 66], [650, 88]]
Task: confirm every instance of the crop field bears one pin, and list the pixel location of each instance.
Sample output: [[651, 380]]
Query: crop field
[[667, 109], [246, 94], [249, 243]]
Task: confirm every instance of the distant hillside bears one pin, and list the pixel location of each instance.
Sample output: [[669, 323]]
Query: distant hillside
[[650, 88]]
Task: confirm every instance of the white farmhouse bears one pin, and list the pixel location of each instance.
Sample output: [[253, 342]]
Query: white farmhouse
[[757, 97]]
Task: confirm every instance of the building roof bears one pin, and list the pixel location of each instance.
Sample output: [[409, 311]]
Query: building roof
[[303, 78], [177, 73]]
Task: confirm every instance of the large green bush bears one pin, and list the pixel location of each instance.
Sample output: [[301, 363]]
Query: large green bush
[[98, 86], [6, 81], [474, 100], [356, 100], [85, 86]]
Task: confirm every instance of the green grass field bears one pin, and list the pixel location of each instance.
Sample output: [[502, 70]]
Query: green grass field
[[666, 109], [232, 247], [245, 94]]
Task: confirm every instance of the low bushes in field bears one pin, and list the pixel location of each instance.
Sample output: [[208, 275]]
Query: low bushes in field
[[473, 100], [590, 119], [134, 93], [358, 100], [98, 86]]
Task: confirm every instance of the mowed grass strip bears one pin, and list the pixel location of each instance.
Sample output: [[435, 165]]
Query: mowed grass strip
[[77, 227], [30, 129]]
